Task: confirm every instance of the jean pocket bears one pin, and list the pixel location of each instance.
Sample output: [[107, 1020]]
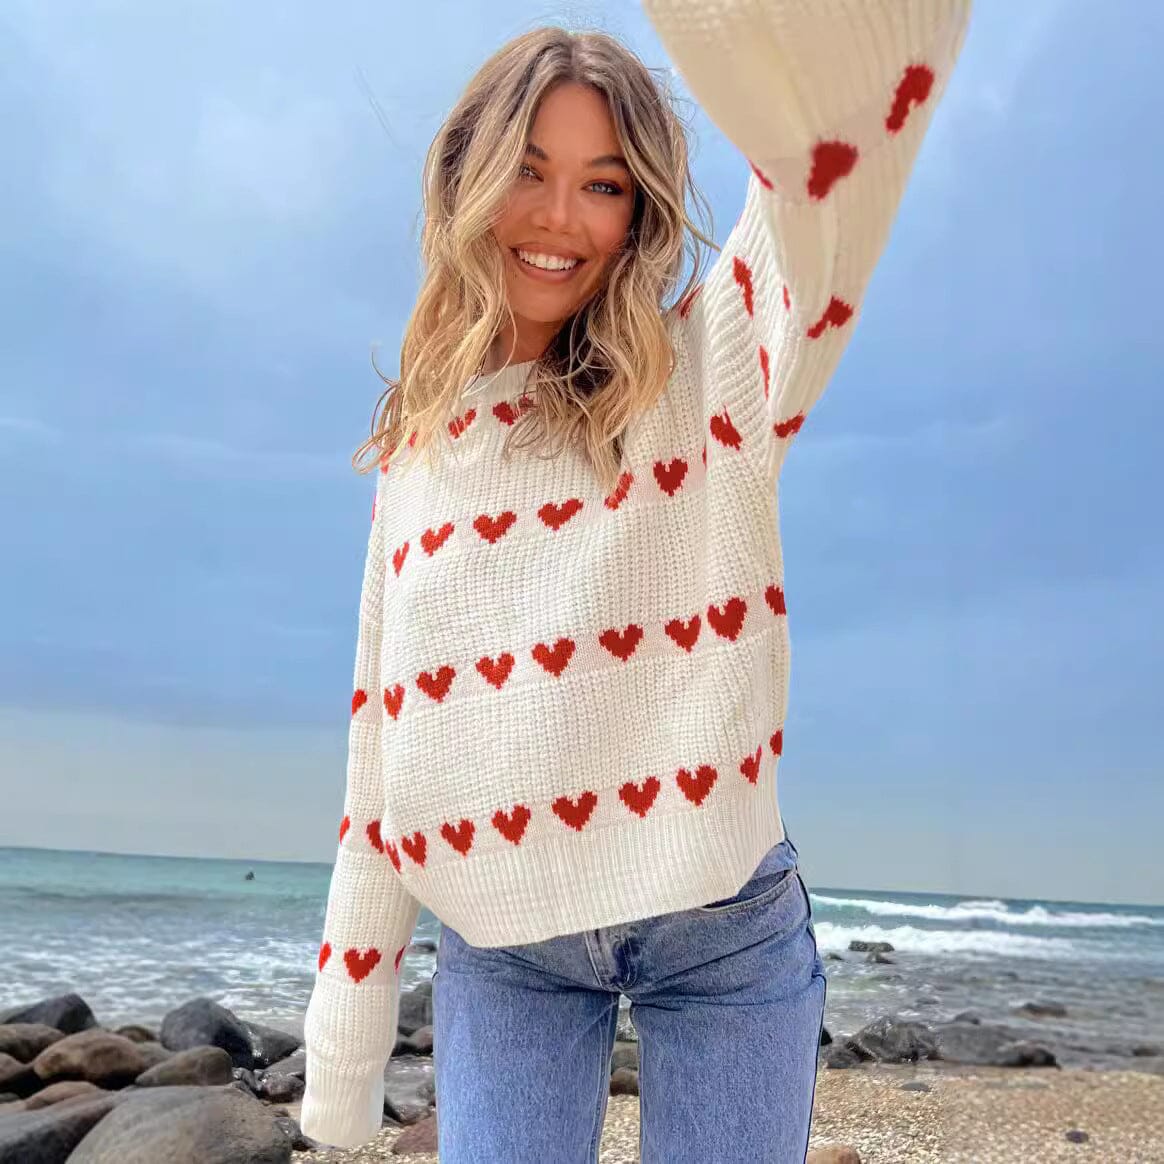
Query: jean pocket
[[756, 892]]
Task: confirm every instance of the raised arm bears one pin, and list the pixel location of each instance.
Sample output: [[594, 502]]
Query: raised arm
[[828, 100], [350, 1027]]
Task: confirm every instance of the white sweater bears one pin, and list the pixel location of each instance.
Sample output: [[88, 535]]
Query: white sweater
[[569, 707]]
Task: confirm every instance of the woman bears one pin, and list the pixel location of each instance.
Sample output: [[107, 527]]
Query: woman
[[571, 674]]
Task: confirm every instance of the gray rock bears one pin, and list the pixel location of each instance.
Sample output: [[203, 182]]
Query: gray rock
[[415, 1010], [420, 1137], [137, 1033], [197, 1067], [294, 1064], [825, 1037], [893, 1040], [409, 1088], [833, 958], [1024, 1054], [625, 1055], [1076, 1136], [48, 1136], [418, 1043], [915, 1085], [269, 1044], [58, 1092], [968, 1016], [24, 1041], [878, 957], [280, 1088], [246, 1079], [68, 1013], [154, 1053], [186, 1125], [100, 1056], [987, 1044], [1042, 1009], [17, 1078], [624, 1081], [201, 1022], [860, 947], [840, 1056]]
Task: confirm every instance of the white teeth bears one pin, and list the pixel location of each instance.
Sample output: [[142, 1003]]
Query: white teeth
[[547, 262]]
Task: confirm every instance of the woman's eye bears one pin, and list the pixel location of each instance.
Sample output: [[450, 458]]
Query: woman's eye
[[611, 188]]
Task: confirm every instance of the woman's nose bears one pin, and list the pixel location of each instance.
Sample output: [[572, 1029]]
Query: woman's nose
[[554, 210]]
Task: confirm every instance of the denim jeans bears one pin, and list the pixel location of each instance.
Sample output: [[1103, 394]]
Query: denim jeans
[[727, 1000]]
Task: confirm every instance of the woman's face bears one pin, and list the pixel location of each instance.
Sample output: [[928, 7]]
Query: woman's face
[[572, 199]]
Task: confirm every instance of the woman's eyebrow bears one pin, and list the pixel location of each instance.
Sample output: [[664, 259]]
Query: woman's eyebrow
[[604, 160]]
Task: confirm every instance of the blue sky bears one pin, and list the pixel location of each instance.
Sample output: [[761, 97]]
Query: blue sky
[[204, 230]]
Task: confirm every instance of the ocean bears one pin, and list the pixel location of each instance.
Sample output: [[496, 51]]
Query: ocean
[[136, 936]]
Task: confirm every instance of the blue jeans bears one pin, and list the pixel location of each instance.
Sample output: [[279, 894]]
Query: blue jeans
[[727, 999]]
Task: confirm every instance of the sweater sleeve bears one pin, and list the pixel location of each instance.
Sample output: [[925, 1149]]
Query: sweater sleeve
[[350, 1025], [828, 101]]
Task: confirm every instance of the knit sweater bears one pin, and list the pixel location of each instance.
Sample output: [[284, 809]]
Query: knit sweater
[[568, 708]]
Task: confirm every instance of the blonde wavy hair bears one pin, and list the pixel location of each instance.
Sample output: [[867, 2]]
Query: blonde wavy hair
[[611, 360]]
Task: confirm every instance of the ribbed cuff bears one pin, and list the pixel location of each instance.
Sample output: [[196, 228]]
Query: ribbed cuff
[[341, 1109]]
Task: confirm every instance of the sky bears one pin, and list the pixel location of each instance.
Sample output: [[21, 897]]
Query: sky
[[209, 216]]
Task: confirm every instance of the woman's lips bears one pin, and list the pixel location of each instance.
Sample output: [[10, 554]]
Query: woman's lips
[[541, 276]]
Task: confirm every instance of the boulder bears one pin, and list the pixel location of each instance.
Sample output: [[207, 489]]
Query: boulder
[[186, 1125], [24, 1041], [100, 1056], [419, 1137], [17, 1078], [294, 1064], [201, 1022], [987, 1044], [409, 1088], [137, 1033], [68, 1013], [197, 1067], [269, 1044], [57, 1092], [1042, 1009], [280, 1088], [415, 1009], [154, 1053], [625, 1055], [624, 1081], [893, 1040], [860, 947], [418, 1043], [50, 1134]]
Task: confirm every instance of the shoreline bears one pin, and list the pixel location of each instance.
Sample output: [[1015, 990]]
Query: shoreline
[[968, 1115]]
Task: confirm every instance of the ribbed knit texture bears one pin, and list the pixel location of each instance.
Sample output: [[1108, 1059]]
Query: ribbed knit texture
[[569, 705]]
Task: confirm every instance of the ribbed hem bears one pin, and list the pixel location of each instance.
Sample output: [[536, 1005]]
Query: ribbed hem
[[339, 1108]]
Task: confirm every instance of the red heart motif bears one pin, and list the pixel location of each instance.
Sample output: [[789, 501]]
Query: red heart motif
[[764, 180], [496, 672], [374, 838], [831, 161], [359, 698], [432, 540], [556, 516], [493, 528], [688, 300], [399, 958], [696, 787], [618, 496], [776, 743], [787, 428], [360, 965], [913, 88], [345, 824], [837, 314], [393, 698], [774, 597], [727, 620], [639, 798], [393, 854], [554, 660], [398, 558], [324, 954], [512, 826], [461, 837], [436, 686], [416, 846], [750, 767], [622, 644], [576, 813], [504, 411], [742, 274], [724, 431], [459, 423], [764, 368], [787, 299], [684, 633], [670, 476]]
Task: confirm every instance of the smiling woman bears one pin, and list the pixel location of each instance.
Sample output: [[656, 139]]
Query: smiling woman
[[572, 670]]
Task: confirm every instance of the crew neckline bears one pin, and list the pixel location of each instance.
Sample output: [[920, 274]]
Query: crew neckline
[[503, 379]]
